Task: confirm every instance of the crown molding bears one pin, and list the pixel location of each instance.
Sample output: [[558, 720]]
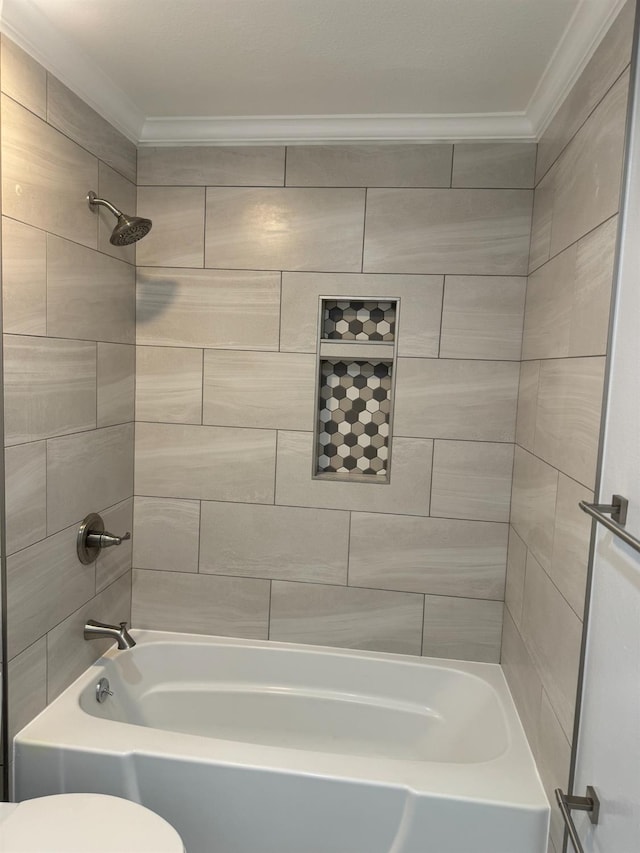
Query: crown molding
[[586, 29], [21, 21], [278, 130], [24, 24]]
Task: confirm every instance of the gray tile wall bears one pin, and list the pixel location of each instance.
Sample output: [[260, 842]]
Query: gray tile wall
[[232, 535], [69, 371], [573, 240]]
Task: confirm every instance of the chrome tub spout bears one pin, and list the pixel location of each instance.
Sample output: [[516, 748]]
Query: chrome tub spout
[[96, 630]]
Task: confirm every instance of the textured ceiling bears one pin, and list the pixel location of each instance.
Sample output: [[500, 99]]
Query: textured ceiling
[[311, 57]]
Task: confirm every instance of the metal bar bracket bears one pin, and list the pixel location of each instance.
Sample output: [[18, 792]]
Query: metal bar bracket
[[569, 802], [617, 509]]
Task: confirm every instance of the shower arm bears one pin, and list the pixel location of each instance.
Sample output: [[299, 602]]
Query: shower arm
[[93, 199]]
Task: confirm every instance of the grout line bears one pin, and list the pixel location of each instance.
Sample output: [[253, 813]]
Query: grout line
[[199, 535], [444, 285], [424, 613], [275, 469], [157, 269], [279, 319], [348, 547], [333, 585], [578, 129], [269, 609], [364, 228], [284, 176], [571, 245], [453, 157], [202, 391], [304, 431]]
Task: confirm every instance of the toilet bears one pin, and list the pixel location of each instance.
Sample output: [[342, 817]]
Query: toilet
[[84, 823]]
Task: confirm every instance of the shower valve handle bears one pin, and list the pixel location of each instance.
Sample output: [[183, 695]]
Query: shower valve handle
[[92, 538], [105, 540]]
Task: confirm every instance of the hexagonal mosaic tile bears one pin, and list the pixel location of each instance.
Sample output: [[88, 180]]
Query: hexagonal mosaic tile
[[354, 409], [355, 320]]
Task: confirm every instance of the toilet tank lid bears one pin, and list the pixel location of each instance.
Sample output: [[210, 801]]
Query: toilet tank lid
[[86, 823]]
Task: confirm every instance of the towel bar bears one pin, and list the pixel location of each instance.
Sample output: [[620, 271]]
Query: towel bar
[[617, 509], [590, 804]]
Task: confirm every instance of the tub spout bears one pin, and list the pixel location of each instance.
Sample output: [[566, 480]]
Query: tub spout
[[95, 630]]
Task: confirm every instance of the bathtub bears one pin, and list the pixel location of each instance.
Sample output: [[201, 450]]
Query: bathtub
[[261, 747]]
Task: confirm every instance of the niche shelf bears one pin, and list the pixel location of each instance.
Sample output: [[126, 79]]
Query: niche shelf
[[356, 370]]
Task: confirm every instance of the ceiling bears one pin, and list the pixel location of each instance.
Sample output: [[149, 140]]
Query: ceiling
[[193, 71]]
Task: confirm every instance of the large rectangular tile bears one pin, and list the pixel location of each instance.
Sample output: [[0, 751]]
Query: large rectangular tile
[[76, 119], [270, 390], [177, 236], [527, 404], [23, 79], [471, 400], [210, 166], [571, 537], [516, 569], [169, 384], [587, 176], [200, 604], [25, 494], [595, 258], [430, 555], [548, 315], [533, 503], [67, 658], [49, 386], [462, 628], [86, 472], [122, 193], [407, 492], [369, 165], [553, 634], [166, 534], [477, 232], [46, 177], [496, 165], [206, 308], [284, 229], [45, 583], [288, 543], [471, 479], [116, 383], [522, 678], [112, 563], [420, 298], [482, 317], [203, 462], [89, 295], [24, 279], [607, 63], [568, 415], [346, 617], [27, 675]]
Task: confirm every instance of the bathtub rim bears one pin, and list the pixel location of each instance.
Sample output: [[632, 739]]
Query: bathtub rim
[[510, 779]]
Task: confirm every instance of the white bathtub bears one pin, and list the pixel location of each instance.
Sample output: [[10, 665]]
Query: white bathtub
[[256, 747]]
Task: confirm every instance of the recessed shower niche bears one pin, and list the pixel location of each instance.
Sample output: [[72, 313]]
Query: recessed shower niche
[[356, 360]]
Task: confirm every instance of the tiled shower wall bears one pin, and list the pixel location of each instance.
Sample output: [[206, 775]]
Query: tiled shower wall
[[69, 324], [231, 533], [561, 387]]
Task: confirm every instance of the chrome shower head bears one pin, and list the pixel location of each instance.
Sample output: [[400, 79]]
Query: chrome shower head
[[129, 229]]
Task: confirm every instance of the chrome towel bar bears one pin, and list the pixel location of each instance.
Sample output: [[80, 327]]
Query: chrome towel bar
[[617, 509], [567, 802]]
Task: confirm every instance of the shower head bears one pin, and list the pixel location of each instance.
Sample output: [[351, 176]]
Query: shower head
[[129, 229]]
